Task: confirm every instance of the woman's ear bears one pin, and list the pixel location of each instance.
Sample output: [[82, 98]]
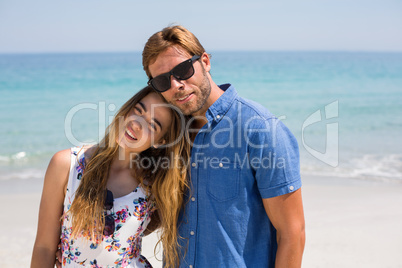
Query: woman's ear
[[161, 142]]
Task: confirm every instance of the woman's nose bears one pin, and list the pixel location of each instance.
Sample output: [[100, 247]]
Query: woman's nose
[[136, 124]]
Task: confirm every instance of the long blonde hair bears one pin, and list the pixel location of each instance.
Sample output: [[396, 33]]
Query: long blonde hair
[[166, 185]]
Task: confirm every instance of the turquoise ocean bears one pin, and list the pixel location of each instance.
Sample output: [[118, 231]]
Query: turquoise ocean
[[344, 108]]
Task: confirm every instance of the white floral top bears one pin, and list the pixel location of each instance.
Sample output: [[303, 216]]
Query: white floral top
[[131, 213]]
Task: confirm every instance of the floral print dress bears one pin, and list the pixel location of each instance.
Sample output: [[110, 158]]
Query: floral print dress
[[131, 214]]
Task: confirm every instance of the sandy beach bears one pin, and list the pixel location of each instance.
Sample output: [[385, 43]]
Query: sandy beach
[[349, 223]]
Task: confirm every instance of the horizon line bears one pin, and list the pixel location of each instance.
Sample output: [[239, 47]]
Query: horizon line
[[217, 50]]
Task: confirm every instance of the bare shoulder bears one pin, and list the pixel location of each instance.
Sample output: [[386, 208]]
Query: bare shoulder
[[58, 170], [61, 160], [51, 210]]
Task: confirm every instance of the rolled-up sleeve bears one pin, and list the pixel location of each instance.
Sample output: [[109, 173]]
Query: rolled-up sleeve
[[274, 158]]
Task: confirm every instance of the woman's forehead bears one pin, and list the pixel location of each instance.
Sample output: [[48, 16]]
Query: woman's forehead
[[157, 107], [152, 98]]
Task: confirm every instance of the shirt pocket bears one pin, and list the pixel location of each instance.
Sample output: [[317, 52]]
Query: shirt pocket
[[223, 181]]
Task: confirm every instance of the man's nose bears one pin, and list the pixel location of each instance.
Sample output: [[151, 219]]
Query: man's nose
[[176, 84]]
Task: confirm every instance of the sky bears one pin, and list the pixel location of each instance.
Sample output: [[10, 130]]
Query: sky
[[42, 26]]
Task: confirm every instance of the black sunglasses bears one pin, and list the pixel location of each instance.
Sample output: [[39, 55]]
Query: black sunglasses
[[109, 220], [182, 71]]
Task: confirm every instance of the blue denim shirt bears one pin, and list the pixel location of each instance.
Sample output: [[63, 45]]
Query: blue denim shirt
[[243, 154]]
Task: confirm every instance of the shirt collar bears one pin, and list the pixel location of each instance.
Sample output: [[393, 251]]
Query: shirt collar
[[222, 105]]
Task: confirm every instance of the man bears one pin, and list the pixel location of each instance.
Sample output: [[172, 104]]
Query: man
[[245, 207]]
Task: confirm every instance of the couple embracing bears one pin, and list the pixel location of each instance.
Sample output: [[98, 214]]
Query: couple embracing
[[230, 195]]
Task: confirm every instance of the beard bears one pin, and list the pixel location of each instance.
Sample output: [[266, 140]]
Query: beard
[[202, 95]]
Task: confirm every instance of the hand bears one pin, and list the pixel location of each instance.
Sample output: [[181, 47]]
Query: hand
[[57, 262]]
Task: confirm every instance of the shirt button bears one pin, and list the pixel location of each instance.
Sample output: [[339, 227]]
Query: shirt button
[[193, 164], [218, 116], [220, 165], [193, 198], [192, 233], [291, 188]]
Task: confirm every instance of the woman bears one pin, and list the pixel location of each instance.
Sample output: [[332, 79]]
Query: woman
[[106, 195]]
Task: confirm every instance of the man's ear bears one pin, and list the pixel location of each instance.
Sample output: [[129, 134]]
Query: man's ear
[[161, 142], [205, 60]]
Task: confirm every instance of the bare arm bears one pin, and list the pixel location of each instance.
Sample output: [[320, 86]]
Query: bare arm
[[50, 211], [287, 216]]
